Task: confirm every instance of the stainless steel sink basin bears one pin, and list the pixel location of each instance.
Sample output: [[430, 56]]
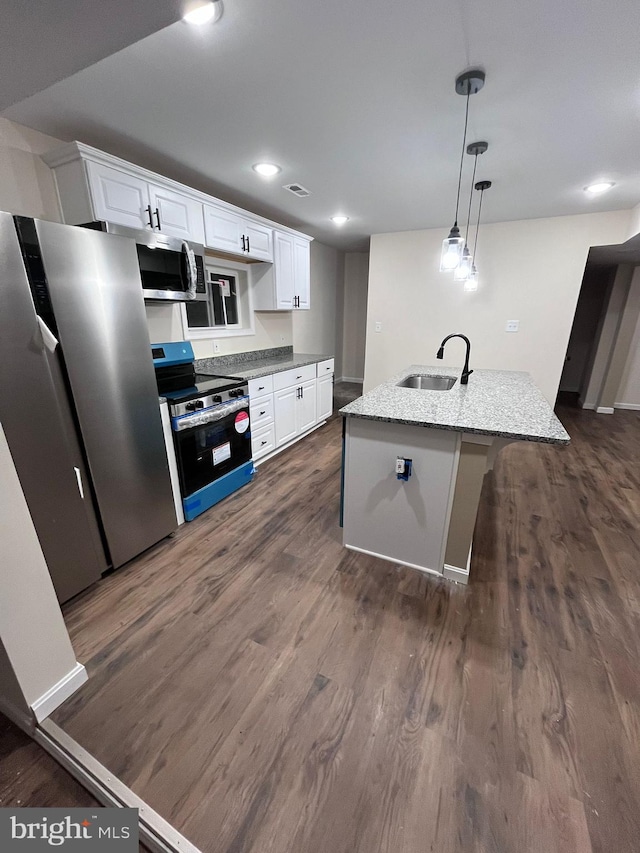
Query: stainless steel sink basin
[[428, 382]]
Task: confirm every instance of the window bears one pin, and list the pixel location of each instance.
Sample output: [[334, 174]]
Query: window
[[222, 306]]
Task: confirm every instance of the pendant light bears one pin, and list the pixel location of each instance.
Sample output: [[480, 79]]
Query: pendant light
[[467, 84], [471, 284], [463, 270]]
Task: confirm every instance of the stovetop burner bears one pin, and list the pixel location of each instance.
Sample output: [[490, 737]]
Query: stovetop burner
[[204, 385]]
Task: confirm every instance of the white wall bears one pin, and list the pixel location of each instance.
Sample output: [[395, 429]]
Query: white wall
[[628, 394], [26, 184], [354, 327], [530, 270], [314, 331], [32, 632], [634, 222], [272, 329]]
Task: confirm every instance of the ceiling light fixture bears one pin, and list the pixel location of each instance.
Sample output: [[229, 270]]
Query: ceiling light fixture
[[601, 187], [463, 270], [339, 219], [468, 83], [471, 283], [202, 13], [267, 170]]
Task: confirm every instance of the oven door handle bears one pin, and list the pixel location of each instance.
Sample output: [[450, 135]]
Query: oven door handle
[[210, 415]]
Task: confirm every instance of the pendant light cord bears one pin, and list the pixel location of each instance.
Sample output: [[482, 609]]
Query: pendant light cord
[[464, 143], [473, 182], [475, 245]]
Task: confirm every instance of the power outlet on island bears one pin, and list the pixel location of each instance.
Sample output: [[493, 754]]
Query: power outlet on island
[[512, 325], [378, 326]]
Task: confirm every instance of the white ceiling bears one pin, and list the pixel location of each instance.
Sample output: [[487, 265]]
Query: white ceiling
[[355, 101], [43, 42]]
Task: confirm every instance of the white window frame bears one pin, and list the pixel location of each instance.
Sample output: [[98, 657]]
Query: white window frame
[[242, 273]]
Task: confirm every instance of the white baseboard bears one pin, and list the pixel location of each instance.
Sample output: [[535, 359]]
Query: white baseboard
[[604, 410], [634, 407], [350, 379], [59, 693], [422, 569], [156, 834], [453, 573]]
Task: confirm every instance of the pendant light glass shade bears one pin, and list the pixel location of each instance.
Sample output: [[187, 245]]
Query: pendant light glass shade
[[463, 270], [452, 250], [471, 283]]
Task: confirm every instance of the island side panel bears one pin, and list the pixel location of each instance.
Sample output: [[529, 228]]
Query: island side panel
[[472, 466], [404, 522]]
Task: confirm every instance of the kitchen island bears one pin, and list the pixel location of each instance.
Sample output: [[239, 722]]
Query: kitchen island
[[414, 462]]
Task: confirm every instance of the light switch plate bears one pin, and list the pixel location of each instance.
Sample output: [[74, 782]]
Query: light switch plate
[[378, 326], [216, 346], [512, 325]]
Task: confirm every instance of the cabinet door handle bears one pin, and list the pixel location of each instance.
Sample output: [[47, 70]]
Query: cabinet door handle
[[244, 248], [262, 443], [261, 388], [148, 209], [261, 414], [158, 218], [248, 245]]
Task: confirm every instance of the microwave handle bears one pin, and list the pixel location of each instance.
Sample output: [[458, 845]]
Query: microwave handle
[[192, 270]]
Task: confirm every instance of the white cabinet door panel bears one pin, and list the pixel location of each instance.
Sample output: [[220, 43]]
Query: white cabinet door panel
[[259, 241], [223, 229], [302, 268], [177, 214], [286, 407], [325, 396], [306, 412], [119, 197], [284, 271]]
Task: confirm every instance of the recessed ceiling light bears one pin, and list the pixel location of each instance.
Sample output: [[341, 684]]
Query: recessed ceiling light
[[600, 187], [267, 170], [339, 219], [202, 13]]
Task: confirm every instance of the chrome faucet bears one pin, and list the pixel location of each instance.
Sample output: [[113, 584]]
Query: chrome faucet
[[466, 373]]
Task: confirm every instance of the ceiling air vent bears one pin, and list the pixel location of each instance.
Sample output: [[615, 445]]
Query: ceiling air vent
[[296, 189]]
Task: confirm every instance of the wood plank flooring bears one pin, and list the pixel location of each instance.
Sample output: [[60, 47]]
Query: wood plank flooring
[[266, 690]]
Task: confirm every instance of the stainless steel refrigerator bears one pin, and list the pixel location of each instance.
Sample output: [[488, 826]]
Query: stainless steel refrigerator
[[78, 397]]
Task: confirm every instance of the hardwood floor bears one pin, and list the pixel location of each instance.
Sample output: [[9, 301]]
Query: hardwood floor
[[266, 690]]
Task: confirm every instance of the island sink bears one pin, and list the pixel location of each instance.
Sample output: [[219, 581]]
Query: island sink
[[428, 382]]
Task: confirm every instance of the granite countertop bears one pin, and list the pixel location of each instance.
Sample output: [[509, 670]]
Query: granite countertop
[[503, 403], [257, 368]]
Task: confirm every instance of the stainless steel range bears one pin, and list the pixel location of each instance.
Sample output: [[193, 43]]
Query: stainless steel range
[[211, 427]]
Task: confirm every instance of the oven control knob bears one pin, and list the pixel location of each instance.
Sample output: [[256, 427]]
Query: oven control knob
[[217, 398], [235, 392], [190, 407], [199, 404]]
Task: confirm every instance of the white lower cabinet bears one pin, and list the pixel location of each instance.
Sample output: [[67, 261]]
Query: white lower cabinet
[[325, 397], [286, 405]]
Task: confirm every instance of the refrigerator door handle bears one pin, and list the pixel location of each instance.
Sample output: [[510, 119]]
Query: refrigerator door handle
[[79, 479], [48, 338]]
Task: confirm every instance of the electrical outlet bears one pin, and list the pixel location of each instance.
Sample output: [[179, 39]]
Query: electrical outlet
[[512, 326], [216, 346], [281, 339], [378, 326]]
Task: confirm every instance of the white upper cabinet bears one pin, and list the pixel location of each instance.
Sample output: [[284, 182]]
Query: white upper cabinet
[[227, 231], [222, 229], [284, 272], [259, 240], [288, 288], [93, 185], [119, 197], [302, 273], [176, 214]]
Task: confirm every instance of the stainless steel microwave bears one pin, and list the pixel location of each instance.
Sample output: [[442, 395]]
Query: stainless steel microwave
[[171, 269]]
